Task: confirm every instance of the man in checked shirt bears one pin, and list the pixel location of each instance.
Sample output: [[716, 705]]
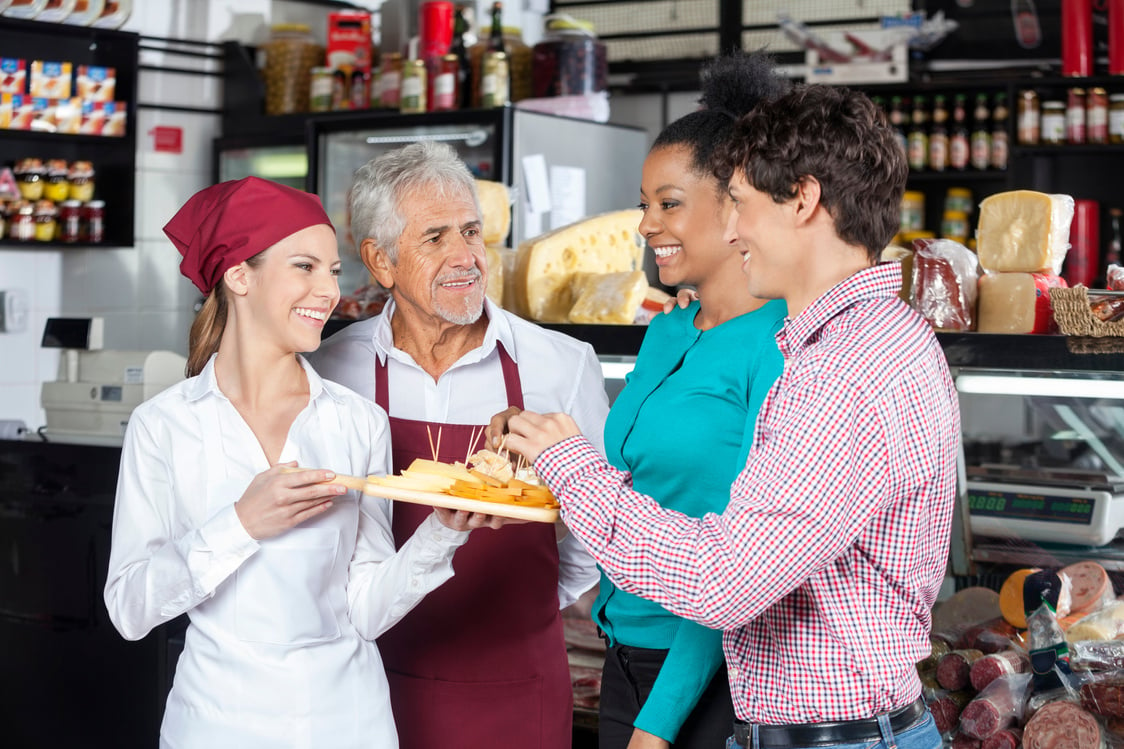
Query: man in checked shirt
[[825, 565]]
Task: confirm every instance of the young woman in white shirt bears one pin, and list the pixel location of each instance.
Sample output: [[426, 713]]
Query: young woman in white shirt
[[223, 513]]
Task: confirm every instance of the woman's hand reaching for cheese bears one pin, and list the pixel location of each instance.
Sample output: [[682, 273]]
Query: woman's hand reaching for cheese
[[530, 433]]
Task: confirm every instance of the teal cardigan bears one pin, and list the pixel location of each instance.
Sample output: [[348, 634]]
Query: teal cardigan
[[682, 426]]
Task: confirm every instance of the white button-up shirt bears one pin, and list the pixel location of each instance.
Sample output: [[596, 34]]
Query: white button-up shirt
[[558, 374], [279, 652]]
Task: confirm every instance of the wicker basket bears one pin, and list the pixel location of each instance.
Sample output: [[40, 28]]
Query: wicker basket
[[1075, 317]]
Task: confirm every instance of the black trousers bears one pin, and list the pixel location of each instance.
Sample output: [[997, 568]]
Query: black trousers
[[627, 681]]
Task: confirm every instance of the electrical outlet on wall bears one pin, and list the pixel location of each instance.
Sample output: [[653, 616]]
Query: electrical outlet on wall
[[13, 311]]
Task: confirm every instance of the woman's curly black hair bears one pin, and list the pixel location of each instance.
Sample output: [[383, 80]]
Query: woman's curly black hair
[[732, 85]]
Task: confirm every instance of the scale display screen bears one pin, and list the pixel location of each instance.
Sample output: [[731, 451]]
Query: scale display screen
[[1004, 504]]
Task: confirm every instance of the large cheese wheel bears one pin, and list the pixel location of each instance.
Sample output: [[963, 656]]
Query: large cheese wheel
[[1011, 597], [545, 265], [496, 207], [608, 298], [1023, 231], [1016, 303]]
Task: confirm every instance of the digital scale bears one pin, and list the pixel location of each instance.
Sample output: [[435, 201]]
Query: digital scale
[[1066, 506]]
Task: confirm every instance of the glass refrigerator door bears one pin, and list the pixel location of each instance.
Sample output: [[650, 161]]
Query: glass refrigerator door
[[342, 146], [287, 164]]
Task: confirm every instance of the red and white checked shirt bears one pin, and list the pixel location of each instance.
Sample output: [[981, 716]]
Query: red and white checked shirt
[[827, 561]]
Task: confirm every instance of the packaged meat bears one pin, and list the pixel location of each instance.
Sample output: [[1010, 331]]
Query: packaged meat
[[1090, 588], [1062, 725], [992, 636], [1106, 624], [1114, 277], [996, 707], [963, 741], [954, 669], [1096, 655], [1103, 694], [1008, 738], [1046, 644], [946, 708], [945, 279], [991, 667], [937, 648]]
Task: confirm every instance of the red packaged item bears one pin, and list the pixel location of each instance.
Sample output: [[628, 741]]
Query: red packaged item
[[1009, 738], [946, 708], [996, 707], [945, 276], [1083, 258], [1017, 303], [992, 636], [349, 41], [1062, 724], [991, 667], [1077, 37], [1115, 37], [13, 76], [954, 669], [435, 28], [1103, 695]]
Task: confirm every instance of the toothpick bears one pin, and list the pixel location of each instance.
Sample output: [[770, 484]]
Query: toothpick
[[437, 451], [432, 449], [471, 443], [502, 447]]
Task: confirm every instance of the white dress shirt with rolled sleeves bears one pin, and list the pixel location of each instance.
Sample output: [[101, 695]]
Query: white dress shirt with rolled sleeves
[[279, 651]]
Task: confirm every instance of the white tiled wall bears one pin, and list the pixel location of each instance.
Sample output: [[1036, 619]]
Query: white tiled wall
[[139, 291]]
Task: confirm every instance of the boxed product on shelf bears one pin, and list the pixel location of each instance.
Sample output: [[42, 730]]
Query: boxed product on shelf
[[16, 112], [349, 41], [107, 118], [96, 83], [56, 115], [51, 80], [13, 75]]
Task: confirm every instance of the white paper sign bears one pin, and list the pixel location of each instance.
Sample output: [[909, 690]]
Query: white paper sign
[[535, 181], [567, 195]]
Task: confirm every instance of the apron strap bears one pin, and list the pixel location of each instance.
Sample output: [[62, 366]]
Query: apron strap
[[513, 386]]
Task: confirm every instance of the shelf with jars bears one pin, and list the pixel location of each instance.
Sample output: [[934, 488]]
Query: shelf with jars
[[67, 182]]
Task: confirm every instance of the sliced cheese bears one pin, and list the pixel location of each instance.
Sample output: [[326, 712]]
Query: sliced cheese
[[1106, 624], [496, 209], [894, 253], [545, 265], [1024, 231], [1016, 303], [608, 298], [494, 258]]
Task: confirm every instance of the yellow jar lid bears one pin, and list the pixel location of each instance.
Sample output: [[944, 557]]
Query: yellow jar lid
[[913, 195]]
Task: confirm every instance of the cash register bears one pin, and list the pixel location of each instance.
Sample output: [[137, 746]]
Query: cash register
[[97, 389]]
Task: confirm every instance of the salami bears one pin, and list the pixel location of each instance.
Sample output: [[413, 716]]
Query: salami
[[1090, 587], [937, 648], [946, 708], [1104, 696], [991, 667], [963, 741], [1062, 725], [1008, 738], [989, 637], [954, 669], [997, 707], [1096, 655]]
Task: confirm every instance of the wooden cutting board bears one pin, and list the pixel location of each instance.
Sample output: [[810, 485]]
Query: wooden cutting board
[[437, 499]]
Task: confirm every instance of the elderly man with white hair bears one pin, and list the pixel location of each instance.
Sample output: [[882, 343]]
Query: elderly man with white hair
[[483, 656]]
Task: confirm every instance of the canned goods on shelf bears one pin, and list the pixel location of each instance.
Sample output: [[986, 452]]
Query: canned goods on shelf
[[1028, 117], [413, 87], [912, 211], [446, 92], [1096, 116], [1053, 122], [1116, 118], [320, 89], [494, 83], [1075, 116]]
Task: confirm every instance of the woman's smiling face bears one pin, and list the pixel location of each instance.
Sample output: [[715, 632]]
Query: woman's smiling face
[[685, 217]]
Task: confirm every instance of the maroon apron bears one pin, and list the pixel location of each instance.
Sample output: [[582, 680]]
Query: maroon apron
[[481, 661]]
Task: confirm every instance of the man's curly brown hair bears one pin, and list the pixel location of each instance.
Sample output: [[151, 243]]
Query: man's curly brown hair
[[839, 137]]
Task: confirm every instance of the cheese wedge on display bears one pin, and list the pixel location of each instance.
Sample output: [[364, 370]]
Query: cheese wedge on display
[[608, 298], [1016, 303], [494, 257], [496, 209], [1024, 231], [545, 265]]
